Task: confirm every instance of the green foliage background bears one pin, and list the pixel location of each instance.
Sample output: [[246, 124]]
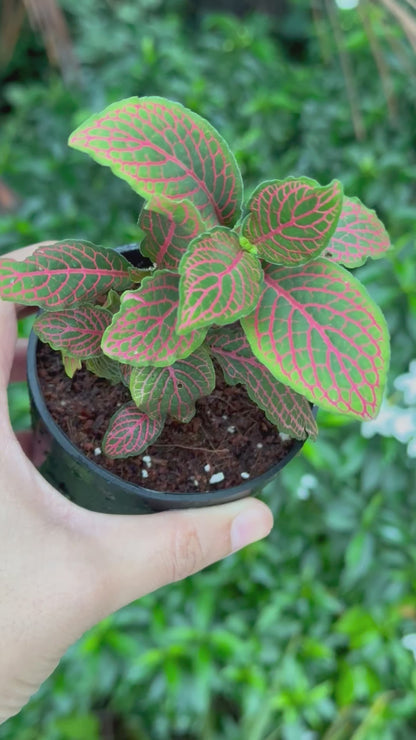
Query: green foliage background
[[298, 637]]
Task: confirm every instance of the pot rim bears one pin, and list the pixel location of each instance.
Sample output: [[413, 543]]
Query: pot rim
[[202, 498]]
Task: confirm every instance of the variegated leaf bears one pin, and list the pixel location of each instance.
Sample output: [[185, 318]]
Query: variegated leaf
[[160, 147], [220, 281], [317, 330], [173, 390], [169, 227], [287, 410], [143, 332], [359, 234], [75, 331], [63, 274], [291, 221], [130, 431]]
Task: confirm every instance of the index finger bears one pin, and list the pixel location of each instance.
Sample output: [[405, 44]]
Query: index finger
[[23, 252]]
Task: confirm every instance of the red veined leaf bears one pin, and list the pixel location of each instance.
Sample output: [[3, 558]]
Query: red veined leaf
[[130, 431], [359, 234], [62, 274], [291, 221], [160, 147], [75, 331], [103, 367], [173, 390], [318, 331], [169, 227], [71, 364], [287, 410], [220, 281], [143, 332]]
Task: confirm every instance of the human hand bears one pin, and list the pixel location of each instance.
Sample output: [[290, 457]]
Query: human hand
[[64, 568]]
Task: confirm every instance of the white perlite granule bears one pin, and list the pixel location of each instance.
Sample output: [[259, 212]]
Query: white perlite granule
[[231, 429], [259, 445], [284, 437], [216, 478], [207, 467], [147, 460], [245, 475], [97, 451], [145, 474]]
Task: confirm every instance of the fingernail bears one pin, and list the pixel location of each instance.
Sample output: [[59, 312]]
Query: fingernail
[[249, 526]]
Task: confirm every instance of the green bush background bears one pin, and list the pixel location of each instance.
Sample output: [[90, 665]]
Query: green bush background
[[298, 637]]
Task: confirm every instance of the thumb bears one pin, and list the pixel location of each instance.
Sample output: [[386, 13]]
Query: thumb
[[141, 553]]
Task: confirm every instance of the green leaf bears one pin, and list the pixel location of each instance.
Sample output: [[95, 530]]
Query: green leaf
[[291, 221], [318, 331], [287, 410], [143, 332], [71, 364], [104, 367], [220, 281], [64, 274], [112, 301], [159, 147], [173, 390], [76, 331]]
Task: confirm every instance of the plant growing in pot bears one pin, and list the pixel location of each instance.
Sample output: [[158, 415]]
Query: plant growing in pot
[[217, 294]]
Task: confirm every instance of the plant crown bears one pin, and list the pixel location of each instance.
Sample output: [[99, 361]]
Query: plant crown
[[262, 289]]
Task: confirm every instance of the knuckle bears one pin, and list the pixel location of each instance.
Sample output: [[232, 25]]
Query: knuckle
[[186, 552]]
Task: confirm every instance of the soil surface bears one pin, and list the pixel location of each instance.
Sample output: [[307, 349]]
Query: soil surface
[[229, 438]]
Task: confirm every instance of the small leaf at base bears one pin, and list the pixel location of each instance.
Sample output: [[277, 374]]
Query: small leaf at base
[[129, 432], [71, 364]]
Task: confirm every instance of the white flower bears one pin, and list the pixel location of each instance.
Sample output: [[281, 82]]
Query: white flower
[[409, 642], [407, 384], [404, 425], [382, 424], [411, 448], [307, 484], [398, 421]]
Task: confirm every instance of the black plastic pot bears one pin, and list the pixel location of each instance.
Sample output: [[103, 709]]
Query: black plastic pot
[[91, 486]]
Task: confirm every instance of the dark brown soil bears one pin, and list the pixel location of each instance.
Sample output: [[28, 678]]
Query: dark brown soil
[[228, 435]]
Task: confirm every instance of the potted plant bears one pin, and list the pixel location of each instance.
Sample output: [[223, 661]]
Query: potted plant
[[254, 298]]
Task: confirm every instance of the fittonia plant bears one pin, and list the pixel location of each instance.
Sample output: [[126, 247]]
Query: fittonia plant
[[258, 287]]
